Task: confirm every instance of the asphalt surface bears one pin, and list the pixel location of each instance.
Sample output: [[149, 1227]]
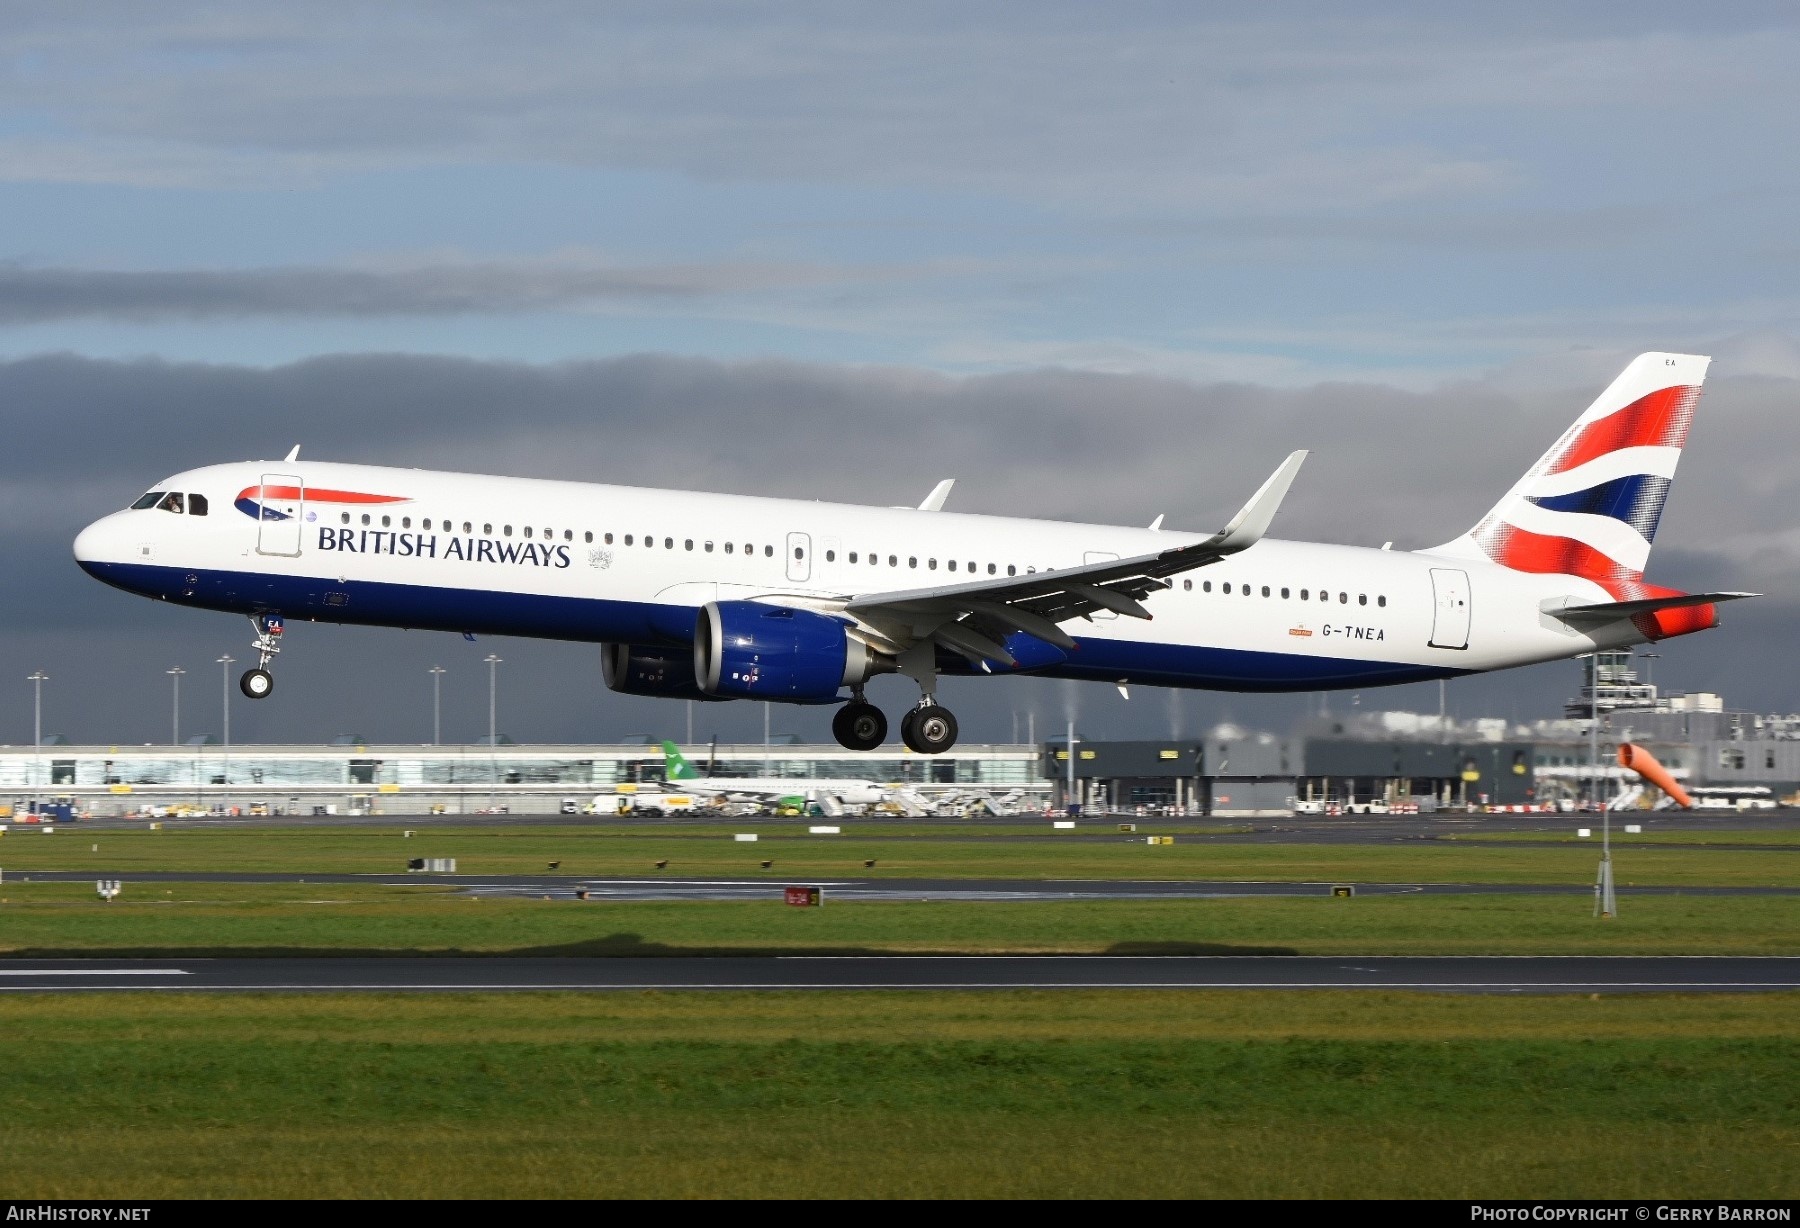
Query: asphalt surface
[[1295, 829], [770, 886], [1452, 974]]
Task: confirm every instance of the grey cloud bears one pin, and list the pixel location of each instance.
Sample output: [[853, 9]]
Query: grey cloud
[[1213, 108], [87, 435], [35, 295]]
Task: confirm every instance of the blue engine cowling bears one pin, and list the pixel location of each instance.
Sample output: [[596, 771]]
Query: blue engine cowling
[[748, 650], [637, 669]]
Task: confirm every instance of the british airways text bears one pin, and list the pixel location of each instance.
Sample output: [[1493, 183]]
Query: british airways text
[[430, 546]]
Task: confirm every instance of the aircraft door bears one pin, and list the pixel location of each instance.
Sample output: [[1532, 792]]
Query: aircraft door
[[280, 500], [1100, 556], [1450, 612], [799, 556]]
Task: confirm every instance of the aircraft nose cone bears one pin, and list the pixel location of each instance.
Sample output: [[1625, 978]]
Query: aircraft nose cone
[[97, 545]]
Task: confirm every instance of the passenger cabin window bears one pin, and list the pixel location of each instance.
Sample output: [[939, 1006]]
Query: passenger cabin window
[[343, 517], [768, 552], [148, 499]]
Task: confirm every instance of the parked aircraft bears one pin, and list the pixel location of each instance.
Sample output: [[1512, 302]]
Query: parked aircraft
[[723, 597], [680, 774]]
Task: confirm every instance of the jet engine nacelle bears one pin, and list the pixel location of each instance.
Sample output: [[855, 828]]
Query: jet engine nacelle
[[748, 650], [638, 669]]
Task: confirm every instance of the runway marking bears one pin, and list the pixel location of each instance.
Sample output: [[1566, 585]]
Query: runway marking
[[95, 972], [1515, 986]]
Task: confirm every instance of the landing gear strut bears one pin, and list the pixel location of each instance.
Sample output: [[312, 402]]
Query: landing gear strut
[[859, 725], [258, 683]]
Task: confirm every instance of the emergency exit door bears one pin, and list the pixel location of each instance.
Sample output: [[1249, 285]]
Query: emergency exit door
[[799, 556], [280, 500], [1450, 614]]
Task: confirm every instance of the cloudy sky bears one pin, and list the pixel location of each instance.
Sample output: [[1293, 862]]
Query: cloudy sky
[[1095, 261]]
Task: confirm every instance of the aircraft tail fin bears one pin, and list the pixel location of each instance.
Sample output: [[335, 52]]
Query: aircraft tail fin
[[1589, 506], [675, 764]]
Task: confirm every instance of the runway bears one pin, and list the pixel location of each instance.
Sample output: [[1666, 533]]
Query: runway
[[1098, 828], [770, 886], [1443, 974]]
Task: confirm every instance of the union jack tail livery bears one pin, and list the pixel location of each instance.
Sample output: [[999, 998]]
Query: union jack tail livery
[[1589, 506]]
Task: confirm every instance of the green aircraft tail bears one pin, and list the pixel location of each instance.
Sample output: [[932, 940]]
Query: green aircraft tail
[[675, 767]]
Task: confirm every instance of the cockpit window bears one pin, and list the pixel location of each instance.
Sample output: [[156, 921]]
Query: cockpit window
[[146, 500], [196, 505], [172, 502]]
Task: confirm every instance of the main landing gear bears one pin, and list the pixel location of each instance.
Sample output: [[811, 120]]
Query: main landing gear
[[258, 683], [927, 729], [859, 725]]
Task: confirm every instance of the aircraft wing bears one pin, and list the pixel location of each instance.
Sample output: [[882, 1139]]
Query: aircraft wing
[[974, 618]]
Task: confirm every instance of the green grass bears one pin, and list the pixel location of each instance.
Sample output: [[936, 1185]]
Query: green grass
[[1783, 839], [289, 919], [614, 851], [1114, 1094]]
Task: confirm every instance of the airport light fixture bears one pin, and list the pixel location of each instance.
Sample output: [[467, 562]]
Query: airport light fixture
[[1069, 802], [1606, 904], [175, 721], [493, 662], [37, 678], [437, 673], [225, 664]]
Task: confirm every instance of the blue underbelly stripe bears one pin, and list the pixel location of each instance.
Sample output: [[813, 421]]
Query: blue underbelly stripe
[[602, 620]]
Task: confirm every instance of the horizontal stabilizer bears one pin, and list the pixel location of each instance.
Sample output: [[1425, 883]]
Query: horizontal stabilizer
[[1606, 611]]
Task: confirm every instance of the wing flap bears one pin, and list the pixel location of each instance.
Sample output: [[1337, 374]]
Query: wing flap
[[980, 612]]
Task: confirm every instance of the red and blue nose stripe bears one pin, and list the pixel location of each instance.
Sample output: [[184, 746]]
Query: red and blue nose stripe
[[246, 502]]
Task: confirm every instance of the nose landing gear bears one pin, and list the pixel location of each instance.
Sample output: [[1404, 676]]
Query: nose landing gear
[[258, 683]]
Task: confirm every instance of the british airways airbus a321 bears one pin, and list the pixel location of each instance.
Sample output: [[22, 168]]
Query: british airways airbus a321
[[721, 597]]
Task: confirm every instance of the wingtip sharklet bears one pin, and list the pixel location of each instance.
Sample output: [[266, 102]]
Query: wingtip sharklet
[[1253, 520]]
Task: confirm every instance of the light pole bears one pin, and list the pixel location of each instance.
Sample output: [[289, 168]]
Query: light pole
[[1069, 802], [225, 663], [493, 661], [37, 678], [1605, 903], [437, 673], [175, 722]]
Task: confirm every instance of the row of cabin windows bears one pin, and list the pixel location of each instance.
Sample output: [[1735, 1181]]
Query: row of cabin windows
[[893, 560], [195, 505], [171, 501], [1206, 586], [749, 548], [468, 526]]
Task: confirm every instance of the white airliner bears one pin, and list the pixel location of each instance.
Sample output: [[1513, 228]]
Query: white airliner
[[679, 773], [721, 597]]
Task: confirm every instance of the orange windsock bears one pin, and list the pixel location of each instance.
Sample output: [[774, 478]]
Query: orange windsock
[[1644, 764]]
